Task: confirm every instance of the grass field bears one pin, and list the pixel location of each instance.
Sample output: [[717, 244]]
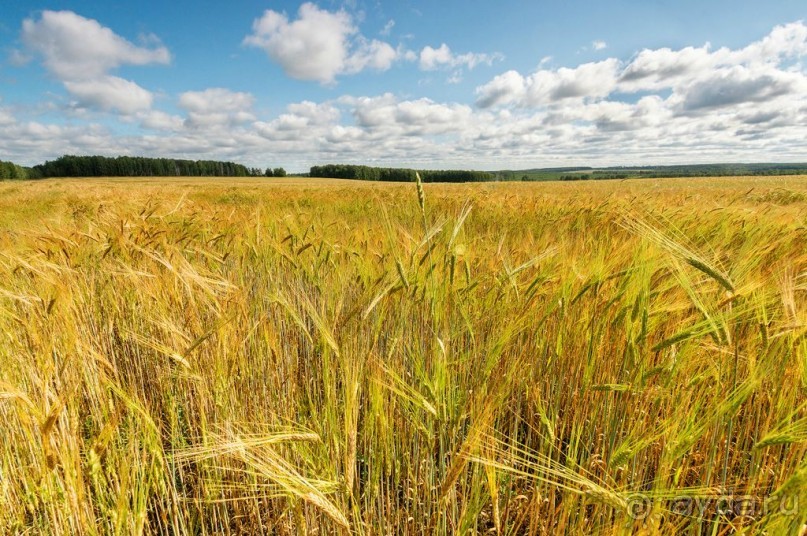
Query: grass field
[[193, 356]]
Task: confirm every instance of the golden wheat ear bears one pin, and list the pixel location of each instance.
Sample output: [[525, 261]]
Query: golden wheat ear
[[421, 196]]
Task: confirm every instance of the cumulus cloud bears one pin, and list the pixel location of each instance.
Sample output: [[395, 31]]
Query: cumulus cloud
[[589, 80], [216, 106], [431, 58], [302, 122], [157, 120], [738, 85], [503, 89], [409, 116], [599, 45], [785, 41], [80, 52], [74, 47], [319, 45], [314, 113], [662, 68], [436, 58], [370, 54], [110, 93]]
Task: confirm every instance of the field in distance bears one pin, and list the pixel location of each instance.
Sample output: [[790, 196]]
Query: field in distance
[[288, 356]]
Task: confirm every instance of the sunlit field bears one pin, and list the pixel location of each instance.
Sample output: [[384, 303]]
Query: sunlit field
[[302, 356]]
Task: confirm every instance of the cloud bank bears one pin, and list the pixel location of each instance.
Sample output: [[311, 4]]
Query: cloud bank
[[692, 104]]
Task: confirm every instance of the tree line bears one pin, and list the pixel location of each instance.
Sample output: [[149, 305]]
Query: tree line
[[136, 166], [10, 170], [369, 173], [130, 166]]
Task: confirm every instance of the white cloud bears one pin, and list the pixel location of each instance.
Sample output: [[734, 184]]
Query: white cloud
[[387, 117], [303, 123], [431, 116], [319, 45], [436, 58], [77, 48], [589, 80], [387, 29], [157, 120], [662, 68], [370, 54], [110, 93], [432, 58], [6, 117], [599, 45], [315, 114], [32, 142], [739, 85], [217, 106], [505, 88], [407, 54], [80, 52], [784, 41]]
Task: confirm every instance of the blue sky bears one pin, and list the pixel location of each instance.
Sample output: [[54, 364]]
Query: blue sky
[[451, 84]]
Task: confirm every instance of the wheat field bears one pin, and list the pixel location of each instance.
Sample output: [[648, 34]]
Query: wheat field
[[304, 356]]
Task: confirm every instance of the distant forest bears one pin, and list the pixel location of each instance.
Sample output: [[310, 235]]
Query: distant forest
[[651, 172], [133, 166], [367, 173]]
